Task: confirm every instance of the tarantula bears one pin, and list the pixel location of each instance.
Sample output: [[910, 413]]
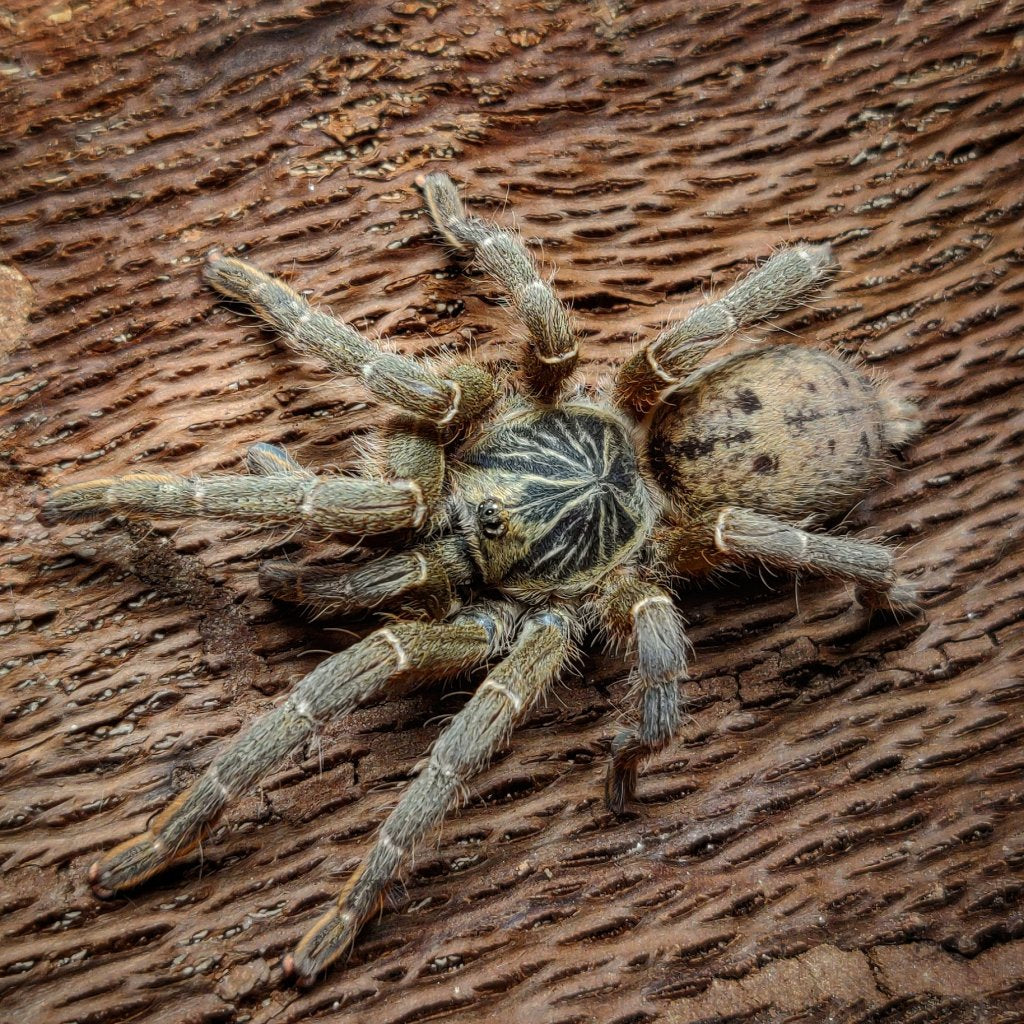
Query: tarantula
[[527, 512]]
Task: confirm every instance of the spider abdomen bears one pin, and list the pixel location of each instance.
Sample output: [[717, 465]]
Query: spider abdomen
[[557, 498], [787, 431]]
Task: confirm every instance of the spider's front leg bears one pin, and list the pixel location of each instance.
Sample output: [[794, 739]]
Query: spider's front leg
[[551, 356], [454, 396], [644, 615], [404, 653], [283, 494], [427, 575], [502, 700], [341, 504]]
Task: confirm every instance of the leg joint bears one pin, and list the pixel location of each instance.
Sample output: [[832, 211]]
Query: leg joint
[[456, 401], [561, 357], [488, 623], [649, 600], [420, 514], [301, 708], [388, 637], [656, 368], [514, 699]]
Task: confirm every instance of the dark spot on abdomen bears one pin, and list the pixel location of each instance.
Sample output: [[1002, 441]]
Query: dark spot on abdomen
[[766, 464], [662, 461], [747, 401], [695, 447], [838, 371], [797, 421]]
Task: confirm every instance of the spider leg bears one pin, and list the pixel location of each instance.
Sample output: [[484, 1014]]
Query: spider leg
[[466, 746], [776, 285], [269, 460], [343, 504], [427, 574], [554, 338], [746, 535], [284, 494], [455, 396], [645, 615], [404, 653]]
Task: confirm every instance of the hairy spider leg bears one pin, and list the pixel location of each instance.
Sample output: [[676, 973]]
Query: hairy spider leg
[[457, 395], [428, 574], [776, 285], [501, 701], [284, 494], [342, 504], [402, 654], [746, 535], [553, 348], [644, 616]]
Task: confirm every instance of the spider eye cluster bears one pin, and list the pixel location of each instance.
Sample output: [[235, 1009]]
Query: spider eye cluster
[[489, 516]]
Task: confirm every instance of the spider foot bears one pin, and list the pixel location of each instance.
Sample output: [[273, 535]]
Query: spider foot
[[74, 503], [128, 864], [331, 936], [900, 600], [623, 769]]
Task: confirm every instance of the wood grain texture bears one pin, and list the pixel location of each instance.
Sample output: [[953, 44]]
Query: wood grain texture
[[840, 830]]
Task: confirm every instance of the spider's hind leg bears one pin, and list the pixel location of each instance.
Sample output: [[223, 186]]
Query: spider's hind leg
[[776, 285], [744, 535]]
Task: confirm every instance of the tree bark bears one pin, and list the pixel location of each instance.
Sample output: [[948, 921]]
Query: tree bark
[[838, 831]]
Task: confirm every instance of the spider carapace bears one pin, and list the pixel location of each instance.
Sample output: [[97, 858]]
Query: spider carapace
[[526, 511], [558, 497]]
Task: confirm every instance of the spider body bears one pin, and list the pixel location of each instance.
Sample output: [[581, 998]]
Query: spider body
[[525, 512]]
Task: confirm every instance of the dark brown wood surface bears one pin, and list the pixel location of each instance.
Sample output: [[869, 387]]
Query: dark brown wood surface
[[839, 833]]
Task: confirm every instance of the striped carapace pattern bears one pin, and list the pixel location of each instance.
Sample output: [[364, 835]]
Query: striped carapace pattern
[[568, 481]]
